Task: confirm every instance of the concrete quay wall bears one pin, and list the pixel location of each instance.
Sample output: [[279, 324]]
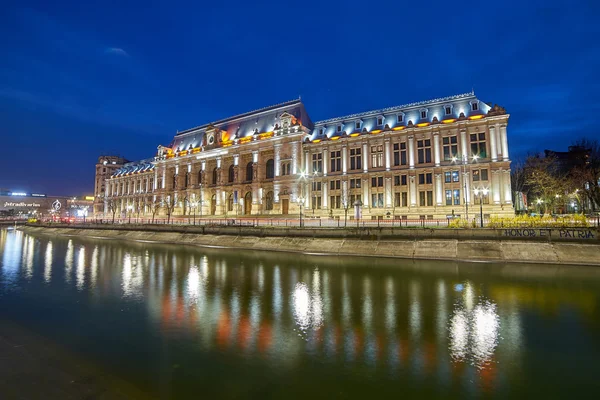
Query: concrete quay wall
[[459, 245]]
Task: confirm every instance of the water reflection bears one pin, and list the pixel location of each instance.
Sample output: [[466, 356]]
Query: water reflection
[[391, 322]]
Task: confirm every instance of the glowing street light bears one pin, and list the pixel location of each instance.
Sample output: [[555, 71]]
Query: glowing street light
[[481, 193]]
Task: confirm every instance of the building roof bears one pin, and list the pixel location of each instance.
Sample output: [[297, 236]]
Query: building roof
[[243, 125], [435, 111], [135, 167]]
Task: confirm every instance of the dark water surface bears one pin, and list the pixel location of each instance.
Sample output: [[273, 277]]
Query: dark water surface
[[181, 322]]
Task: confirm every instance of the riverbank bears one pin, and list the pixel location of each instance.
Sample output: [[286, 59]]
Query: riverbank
[[578, 246]]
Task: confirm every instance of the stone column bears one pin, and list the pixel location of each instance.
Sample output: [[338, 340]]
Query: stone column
[[388, 191], [411, 152], [344, 159], [495, 186], [277, 158], [504, 142], [436, 148], [294, 158], [507, 187], [324, 191], [388, 153], [307, 168], [412, 188], [164, 177], [498, 135], [438, 190], [365, 157], [155, 187], [365, 185], [463, 143], [467, 187], [493, 150], [325, 160]]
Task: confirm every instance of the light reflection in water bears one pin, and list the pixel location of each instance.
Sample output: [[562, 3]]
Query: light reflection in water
[[430, 327], [48, 263]]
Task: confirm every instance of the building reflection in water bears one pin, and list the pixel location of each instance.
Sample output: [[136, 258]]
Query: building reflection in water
[[429, 325]]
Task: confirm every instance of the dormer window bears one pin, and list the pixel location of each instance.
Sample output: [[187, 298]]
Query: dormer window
[[321, 131], [380, 120], [475, 105], [423, 113], [357, 124], [400, 118], [448, 109], [339, 128]]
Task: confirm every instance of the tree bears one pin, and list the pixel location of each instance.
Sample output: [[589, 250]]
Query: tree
[[517, 181], [346, 203], [544, 180], [169, 205], [585, 174], [155, 206], [112, 206]]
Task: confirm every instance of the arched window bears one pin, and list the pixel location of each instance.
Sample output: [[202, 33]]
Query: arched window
[[270, 174], [214, 180], [231, 173], [269, 201], [249, 172], [230, 203]]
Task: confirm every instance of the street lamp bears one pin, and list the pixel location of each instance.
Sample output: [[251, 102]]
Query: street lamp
[[130, 209], [465, 161], [481, 193], [300, 203], [539, 203]]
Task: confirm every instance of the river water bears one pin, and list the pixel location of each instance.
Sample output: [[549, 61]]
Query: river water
[[184, 322]]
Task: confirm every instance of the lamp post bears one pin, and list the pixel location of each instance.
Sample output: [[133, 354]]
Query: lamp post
[[130, 209], [300, 203], [481, 193], [463, 166], [539, 203]]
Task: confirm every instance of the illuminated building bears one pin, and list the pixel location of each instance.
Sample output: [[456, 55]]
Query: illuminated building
[[105, 168], [420, 160], [39, 205]]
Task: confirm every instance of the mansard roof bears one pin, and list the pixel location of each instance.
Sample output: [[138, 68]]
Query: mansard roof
[[135, 167], [435, 111], [244, 125]]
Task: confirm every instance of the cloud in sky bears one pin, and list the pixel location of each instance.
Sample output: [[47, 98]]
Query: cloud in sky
[[117, 51]]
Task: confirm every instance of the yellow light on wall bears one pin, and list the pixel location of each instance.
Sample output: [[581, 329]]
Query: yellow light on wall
[[196, 150], [399, 128], [448, 121], [89, 197], [245, 139], [376, 131], [355, 134], [422, 124], [316, 140], [334, 137], [476, 117], [265, 135]]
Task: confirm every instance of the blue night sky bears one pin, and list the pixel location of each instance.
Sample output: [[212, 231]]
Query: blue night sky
[[79, 79]]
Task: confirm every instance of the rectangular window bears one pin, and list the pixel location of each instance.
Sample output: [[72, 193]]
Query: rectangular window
[[404, 199], [354, 198], [336, 161], [421, 179], [316, 203], [429, 198], [357, 125], [377, 156], [403, 153], [424, 151], [339, 128], [380, 181], [456, 196], [447, 177], [400, 117], [448, 197], [317, 162], [355, 160], [316, 186], [448, 110], [478, 144], [429, 178], [475, 106], [484, 174], [450, 147], [379, 121], [335, 202], [396, 154], [377, 181], [422, 199], [396, 199], [403, 180], [423, 114], [397, 180], [455, 176], [475, 175]]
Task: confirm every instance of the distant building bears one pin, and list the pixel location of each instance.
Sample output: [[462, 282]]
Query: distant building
[[577, 156], [426, 160], [105, 168], [25, 204]]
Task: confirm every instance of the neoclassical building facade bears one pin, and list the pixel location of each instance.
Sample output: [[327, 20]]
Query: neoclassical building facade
[[424, 160]]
